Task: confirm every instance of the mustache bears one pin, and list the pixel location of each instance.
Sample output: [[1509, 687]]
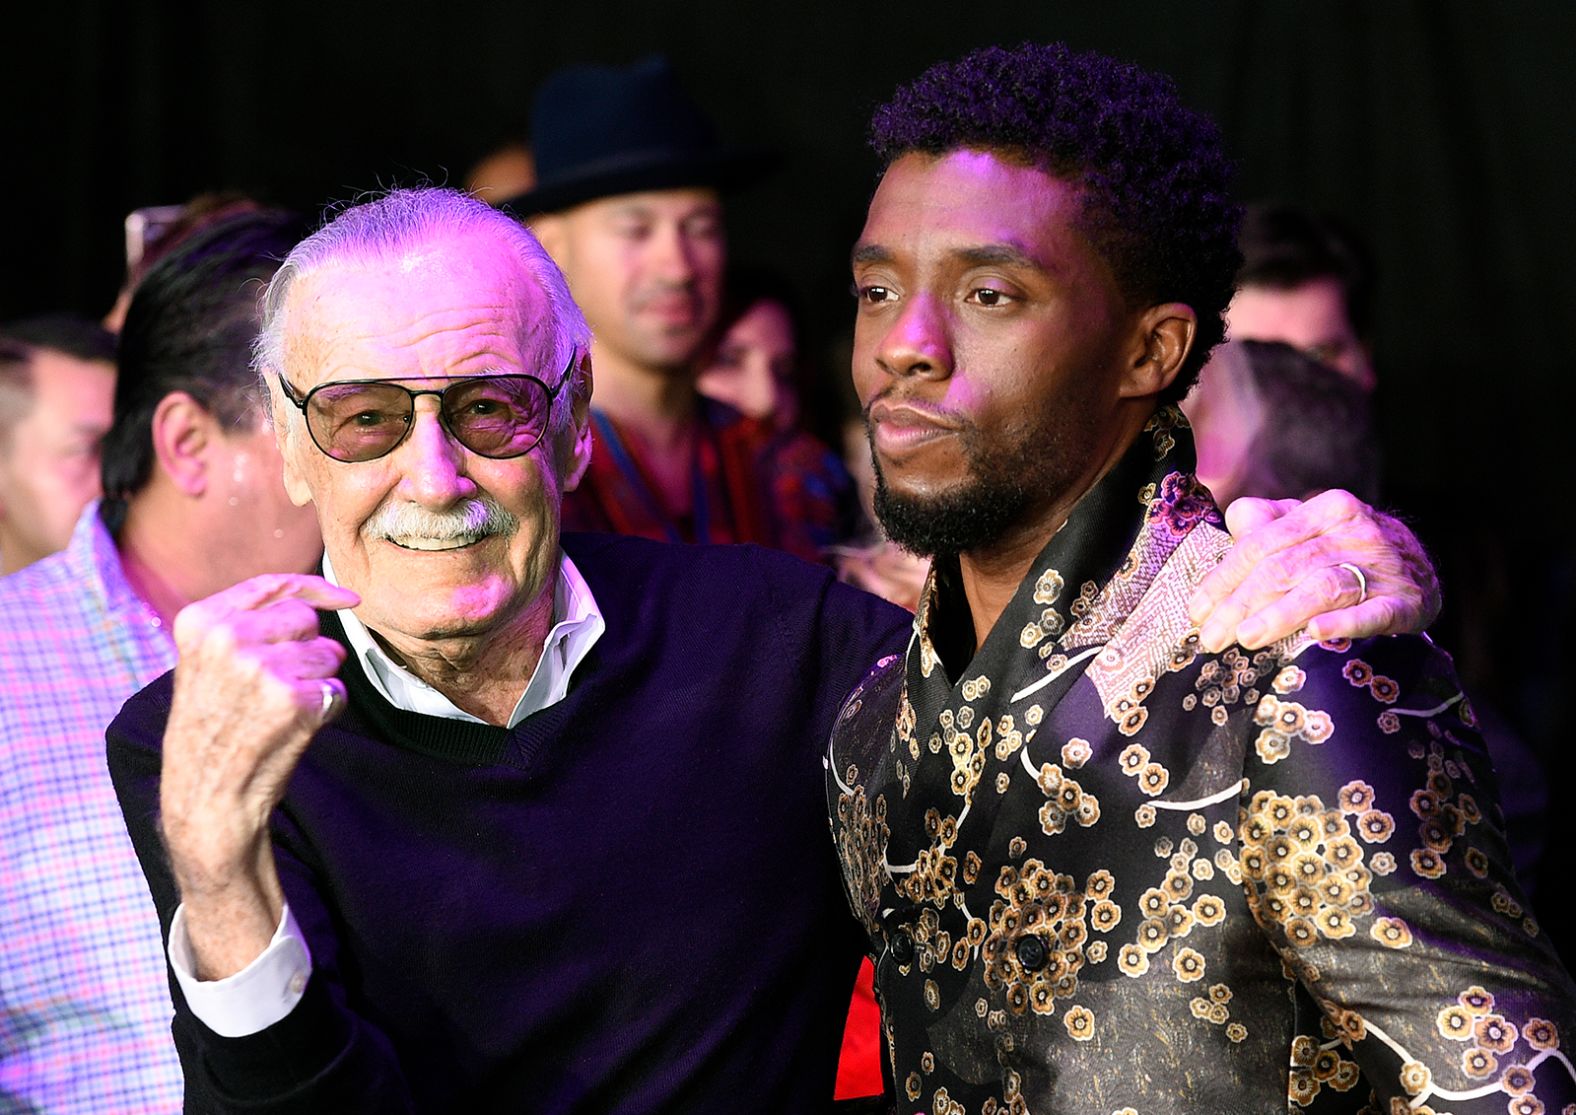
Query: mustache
[[468, 521]]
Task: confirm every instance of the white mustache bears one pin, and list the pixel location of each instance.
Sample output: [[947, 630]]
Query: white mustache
[[467, 522]]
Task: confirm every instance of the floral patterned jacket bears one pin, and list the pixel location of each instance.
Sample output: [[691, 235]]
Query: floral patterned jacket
[[1104, 872]]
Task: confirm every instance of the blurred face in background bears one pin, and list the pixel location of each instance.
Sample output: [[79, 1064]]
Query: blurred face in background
[[49, 463], [753, 365], [1310, 316], [1226, 414], [646, 269]]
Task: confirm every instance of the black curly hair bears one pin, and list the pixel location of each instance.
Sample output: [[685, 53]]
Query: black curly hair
[[1158, 203]]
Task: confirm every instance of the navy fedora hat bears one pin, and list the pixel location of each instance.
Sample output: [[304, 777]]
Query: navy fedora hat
[[599, 131]]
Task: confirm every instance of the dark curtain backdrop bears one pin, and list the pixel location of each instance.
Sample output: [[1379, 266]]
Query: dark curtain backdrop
[[1441, 129]]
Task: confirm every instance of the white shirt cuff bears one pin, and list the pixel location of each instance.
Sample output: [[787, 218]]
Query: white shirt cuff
[[257, 996]]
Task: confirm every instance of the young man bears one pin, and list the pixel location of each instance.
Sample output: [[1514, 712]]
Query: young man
[[628, 202], [1103, 867]]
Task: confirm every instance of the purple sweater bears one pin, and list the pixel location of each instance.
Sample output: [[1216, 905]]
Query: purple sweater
[[627, 903]]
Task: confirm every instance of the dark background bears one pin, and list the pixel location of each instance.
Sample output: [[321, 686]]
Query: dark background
[[1442, 130]]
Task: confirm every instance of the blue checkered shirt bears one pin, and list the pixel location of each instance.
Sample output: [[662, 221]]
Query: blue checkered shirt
[[84, 1002]]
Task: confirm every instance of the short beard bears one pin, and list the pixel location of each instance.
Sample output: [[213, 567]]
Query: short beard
[[964, 519], [1001, 489]]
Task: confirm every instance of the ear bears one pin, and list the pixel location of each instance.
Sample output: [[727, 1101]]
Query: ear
[[578, 435], [1164, 339], [183, 434]]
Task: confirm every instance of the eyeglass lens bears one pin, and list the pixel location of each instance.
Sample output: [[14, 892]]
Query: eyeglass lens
[[493, 416]]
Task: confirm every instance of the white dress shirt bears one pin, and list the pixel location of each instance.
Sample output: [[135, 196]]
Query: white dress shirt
[[268, 988]]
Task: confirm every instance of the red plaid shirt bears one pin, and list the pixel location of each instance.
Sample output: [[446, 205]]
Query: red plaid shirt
[[786, 491]]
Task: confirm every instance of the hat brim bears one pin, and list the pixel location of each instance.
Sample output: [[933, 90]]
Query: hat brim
[[722, 170]]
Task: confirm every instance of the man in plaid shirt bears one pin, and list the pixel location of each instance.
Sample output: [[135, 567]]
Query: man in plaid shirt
[[629, 203], [194, 502]]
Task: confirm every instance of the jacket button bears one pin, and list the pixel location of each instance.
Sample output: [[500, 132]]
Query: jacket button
[[1031, 953], [901, 946]]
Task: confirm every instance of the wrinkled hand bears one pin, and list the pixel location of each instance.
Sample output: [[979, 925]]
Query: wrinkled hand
[[249, 695], [1285, 573]]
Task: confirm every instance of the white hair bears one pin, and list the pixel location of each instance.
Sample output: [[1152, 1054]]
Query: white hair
[[386, 229]]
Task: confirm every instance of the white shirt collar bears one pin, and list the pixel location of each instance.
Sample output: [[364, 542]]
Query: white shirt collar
[[577, 625]]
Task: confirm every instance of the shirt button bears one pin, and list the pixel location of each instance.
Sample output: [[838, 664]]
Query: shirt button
[[901, 946], [297, 983], [1031, 953]]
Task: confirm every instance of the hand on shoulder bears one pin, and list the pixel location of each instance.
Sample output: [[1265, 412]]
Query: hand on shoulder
[[1332, 564]]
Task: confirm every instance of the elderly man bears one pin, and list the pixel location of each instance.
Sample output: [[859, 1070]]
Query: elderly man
[[503, 890], [194, 504], [57, 379], [1104, 868], [563, 846]]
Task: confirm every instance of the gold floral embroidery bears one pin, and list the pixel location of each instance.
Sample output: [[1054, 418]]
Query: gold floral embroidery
[[1309, 872], [1188, 965], [1289, 680], [1314, 1068], [1391, 932], [1541, 1034], [1285, 721], [862, 836], [1303, 860], [1065, 799], [1033, 949], [935, 872], [1009, 737], [1517, 1080], [1415, 1077], [1132, 960], [1080, 1023]]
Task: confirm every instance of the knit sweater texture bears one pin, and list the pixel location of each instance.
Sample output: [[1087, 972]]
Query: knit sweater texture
[[627, 903]]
